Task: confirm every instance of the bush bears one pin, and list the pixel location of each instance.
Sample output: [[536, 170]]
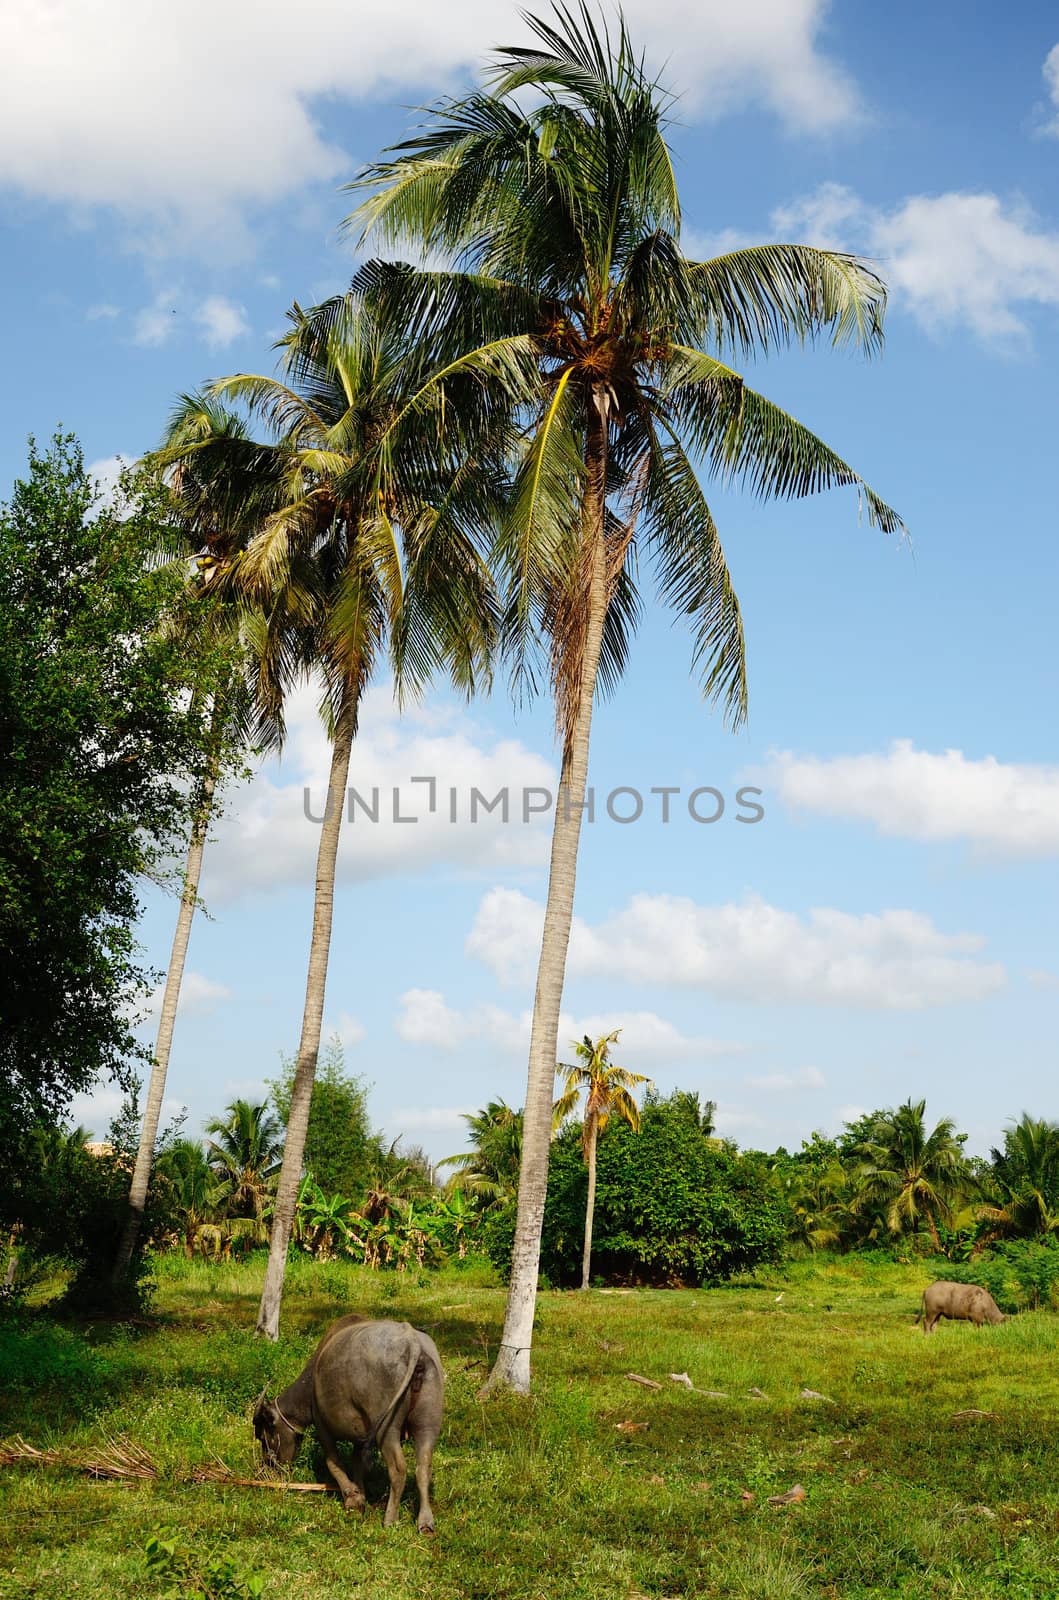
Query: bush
[[1020, 1274], [673, 1205], [73, 1206]]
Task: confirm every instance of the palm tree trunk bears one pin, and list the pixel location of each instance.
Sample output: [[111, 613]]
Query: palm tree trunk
[[512, 1367], [312, 1018], [590, 1204], [141, 1172]]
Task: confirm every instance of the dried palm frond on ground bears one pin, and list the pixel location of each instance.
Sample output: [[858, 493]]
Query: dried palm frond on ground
[[123, 1459], [118, 1458], [15, 1451]]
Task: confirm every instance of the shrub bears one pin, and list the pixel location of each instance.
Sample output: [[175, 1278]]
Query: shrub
[[1020, 1274], [73, 1206], [673, 1205]]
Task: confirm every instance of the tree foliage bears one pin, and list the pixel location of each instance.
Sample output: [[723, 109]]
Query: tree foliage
[[341, 1149], [100, 741], [673, 1204]]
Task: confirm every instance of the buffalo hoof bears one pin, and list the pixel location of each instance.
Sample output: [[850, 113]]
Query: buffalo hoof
[[425, 1524], [353, 1501]]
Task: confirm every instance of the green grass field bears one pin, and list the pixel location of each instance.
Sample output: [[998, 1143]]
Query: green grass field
[[551, 1497]]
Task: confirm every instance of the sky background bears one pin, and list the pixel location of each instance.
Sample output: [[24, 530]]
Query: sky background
[[889, 927]]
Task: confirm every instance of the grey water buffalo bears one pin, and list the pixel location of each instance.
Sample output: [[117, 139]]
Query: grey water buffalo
[[372, 1383], [961, 1302]]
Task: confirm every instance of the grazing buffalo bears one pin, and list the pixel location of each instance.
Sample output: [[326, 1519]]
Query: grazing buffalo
[[370, 1382], [961, 1302]]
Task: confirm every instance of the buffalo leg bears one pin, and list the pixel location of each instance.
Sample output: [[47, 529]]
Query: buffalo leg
[[396, 1467], [424, 1456], [352, 1490]]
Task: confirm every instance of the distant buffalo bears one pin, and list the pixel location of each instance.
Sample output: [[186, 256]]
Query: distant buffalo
[[960, 1302], [372, 1383]]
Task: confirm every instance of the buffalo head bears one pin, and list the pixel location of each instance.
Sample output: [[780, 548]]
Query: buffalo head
[[279, 1441]]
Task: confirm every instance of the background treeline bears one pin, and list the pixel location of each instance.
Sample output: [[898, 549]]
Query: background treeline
[[675, 1204]]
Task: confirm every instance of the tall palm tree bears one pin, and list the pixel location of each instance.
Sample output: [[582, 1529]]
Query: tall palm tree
[[910, 1175], [243, 1155], [378, 478], [553, 192], [211, 491], [606, 1090]]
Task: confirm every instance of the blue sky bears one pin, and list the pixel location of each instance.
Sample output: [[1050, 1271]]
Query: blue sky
[[889, 927]]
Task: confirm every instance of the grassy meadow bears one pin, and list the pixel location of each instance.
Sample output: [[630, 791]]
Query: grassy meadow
[[594, 1487]]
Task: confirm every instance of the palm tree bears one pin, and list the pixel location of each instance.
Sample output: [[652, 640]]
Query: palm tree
[[243, 1156], [377, 481], [1026, 1174], [490, 1170], [606, 1090], [183, 1166], [238, 676], [910, 1175], [819, 1202], [554, 195]]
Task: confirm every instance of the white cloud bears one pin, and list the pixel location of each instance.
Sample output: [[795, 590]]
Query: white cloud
[[102, 313], [96, 1109], [952, 260], [1008, 808], [107, 471], [115, 104], [732, 1121], [645, 1036], [893, 960], [1051, 78], [217, 321], [429, 1117], [265, 839], [221, 321], [156, 323], [199, 996], [784, 1082], [425, 1018], [1041, 978], [256, 1090], [349, 1030]]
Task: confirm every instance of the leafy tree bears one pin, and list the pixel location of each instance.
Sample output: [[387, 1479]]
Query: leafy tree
[[364, 505], [341, 1150], [98, 746], [910, 1176], [673, 1204], [555, 194], [243, 1155], [606, 1090]]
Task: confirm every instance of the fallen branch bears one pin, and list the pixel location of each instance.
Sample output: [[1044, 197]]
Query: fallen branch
[[648, 1383], [219, 1473]]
